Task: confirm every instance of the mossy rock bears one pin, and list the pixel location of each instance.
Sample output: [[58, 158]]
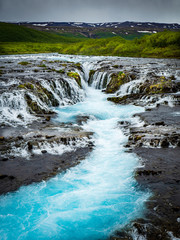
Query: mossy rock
[[24, 63], [125, 99], [76, 77], [116, 81], [51, 70], [60, 71], [26, 86], [78, 66], [33, 106], [1, 72], [91, 73], [163, 85], [159, 86], [42, 65], [117, 99], [46, 96]]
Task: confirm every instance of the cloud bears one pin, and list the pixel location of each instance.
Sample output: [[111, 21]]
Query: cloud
[[90, 10]]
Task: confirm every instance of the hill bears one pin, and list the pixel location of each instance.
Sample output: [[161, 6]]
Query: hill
[[18, 39], [16, 33]]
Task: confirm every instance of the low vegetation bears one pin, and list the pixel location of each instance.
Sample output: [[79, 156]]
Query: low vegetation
[[75, 76], [19, 40], [116, 81]]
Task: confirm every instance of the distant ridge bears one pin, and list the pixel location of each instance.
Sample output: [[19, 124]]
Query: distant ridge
[[128, 30], [148, 25]]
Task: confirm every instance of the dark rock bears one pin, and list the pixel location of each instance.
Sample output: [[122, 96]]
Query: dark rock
[[165, 144], [48, 118], [49, 137], [20, 137], [3, 176], [159, 123], [30, 146], [44, 151]]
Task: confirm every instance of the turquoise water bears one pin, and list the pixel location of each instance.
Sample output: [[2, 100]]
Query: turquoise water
[[89, 201]]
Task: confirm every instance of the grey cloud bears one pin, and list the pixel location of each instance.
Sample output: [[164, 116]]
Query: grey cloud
[[90, 10]]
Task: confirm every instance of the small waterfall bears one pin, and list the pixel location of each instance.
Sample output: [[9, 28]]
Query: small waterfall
[[129, 88], [13, 109], [100, 80], [87, 66]]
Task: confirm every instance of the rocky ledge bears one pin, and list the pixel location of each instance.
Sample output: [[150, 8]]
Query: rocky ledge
[[39, 152]]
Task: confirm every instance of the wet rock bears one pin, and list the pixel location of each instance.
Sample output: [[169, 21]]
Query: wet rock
[[30, 145], [159, 123], [44, 151], [49, 137], [2, 138], [4, 159], [165, 143], [48, 118], [116, 81], [82, 119], [148, 172]]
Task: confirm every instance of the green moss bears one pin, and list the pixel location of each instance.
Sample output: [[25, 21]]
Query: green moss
[[78, 65], [163, 85], [26, 86], [138, 137], [24, 63], [117, 99], [42, 65], [75, 76], [91, 73], [116, 81], [21, 86], [33, 106], [60, 71], [51, 70]]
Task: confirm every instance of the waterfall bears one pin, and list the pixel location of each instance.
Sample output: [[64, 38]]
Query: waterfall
[[13, 109]]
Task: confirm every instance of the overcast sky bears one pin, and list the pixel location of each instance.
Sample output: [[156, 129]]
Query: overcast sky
[[166, 11]]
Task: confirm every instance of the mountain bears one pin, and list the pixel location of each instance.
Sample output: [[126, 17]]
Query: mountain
[[128, 30]]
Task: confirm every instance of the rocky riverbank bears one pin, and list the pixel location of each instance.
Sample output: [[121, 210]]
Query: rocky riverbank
[[157, 143], [40, 152]]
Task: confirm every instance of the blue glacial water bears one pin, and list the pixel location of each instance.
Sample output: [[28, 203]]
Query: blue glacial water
[[89, 201]]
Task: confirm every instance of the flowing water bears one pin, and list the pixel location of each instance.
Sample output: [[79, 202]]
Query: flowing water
[[93, 199], [88, 201]]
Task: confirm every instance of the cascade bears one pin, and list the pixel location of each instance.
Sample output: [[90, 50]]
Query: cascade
[[94, 198], [99, 195]]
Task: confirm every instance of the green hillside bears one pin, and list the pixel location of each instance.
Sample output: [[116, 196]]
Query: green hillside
[[14, 33], [16, 40]]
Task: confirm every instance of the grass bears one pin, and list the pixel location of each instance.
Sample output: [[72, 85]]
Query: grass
[[15, 33], [160, 45]]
